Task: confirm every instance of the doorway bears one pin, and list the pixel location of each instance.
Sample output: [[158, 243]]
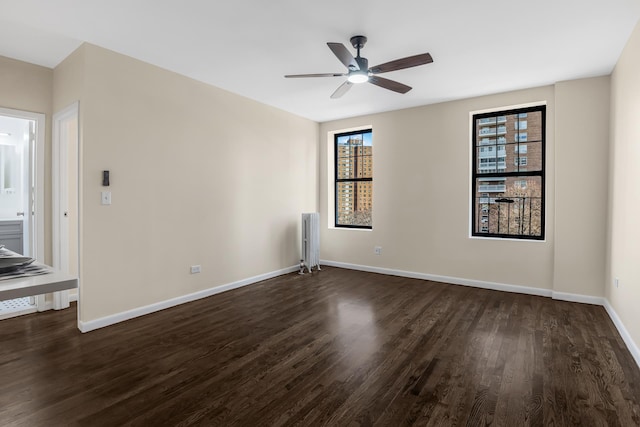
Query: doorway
[[22, 195]]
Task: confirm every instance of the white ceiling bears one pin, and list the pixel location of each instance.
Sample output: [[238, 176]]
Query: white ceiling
[[246, 46]]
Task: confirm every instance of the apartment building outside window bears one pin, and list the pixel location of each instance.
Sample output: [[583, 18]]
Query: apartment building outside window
[[508, 183], [353, 179]]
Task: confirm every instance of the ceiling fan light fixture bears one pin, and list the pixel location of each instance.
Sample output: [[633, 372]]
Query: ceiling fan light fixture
[[358, 70], [358, 77]]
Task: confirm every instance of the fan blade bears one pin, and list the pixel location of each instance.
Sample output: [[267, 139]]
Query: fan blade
[[344, 55], [389, 84], [342, 89], [295, 76], [399, 64]]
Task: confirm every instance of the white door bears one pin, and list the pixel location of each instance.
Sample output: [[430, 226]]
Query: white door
[[65, 197]]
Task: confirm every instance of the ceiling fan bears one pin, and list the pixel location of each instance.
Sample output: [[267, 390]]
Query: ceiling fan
[[359, 71]]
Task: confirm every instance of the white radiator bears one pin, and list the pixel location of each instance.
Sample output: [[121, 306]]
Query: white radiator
[[310, 241]]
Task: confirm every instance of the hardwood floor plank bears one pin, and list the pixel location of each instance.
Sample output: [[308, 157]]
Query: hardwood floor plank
[[336, 347]]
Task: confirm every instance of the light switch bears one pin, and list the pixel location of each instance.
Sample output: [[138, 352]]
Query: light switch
[[106, 197]]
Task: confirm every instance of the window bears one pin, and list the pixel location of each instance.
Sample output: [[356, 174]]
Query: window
[[520, 148], [508, 185], [520, 125], [353, 179]]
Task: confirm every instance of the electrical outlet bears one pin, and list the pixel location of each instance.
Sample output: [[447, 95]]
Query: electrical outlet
[[377, 250], [195, 269], [616, 282]]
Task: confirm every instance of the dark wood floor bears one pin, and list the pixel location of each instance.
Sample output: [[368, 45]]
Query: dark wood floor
[[338, 347]]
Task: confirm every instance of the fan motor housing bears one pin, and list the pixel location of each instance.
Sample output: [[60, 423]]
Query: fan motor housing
[[358, 42], [363, 63]]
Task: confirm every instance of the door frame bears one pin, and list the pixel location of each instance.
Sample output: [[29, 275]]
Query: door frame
[[60, 198], [36, 161]]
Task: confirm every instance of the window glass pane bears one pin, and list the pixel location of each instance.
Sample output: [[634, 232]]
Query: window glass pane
[[343, 168], [365, 164], [354, 156], [354, 203], [520, 125], [510, 206], [520, 148], [509, 128], [491, 158], [520, 137], [343, 146], [511, 157], [534, 126], [527, 156]]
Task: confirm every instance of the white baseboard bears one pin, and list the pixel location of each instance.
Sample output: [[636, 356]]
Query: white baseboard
[[151, 308], [584, 299], [445, 279], [563, 296], [626, 337]]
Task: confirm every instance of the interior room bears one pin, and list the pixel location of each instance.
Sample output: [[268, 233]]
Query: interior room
[[477, 245]]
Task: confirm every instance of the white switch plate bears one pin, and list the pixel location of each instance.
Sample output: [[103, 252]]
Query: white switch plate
[[106, 197], [377, 250], [195, 269]]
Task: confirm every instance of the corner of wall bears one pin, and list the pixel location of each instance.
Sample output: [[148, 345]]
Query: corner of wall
[[623, 223], [581, 126]]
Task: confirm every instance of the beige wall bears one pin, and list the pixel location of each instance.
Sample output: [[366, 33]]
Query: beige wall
[[624, 191], [582, 150], [198, 176], [421, 197], [422, 190], [69, 80], [27, 87]]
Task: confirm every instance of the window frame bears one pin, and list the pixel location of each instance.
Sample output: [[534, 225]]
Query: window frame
[[475, 175], [337, 181]]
